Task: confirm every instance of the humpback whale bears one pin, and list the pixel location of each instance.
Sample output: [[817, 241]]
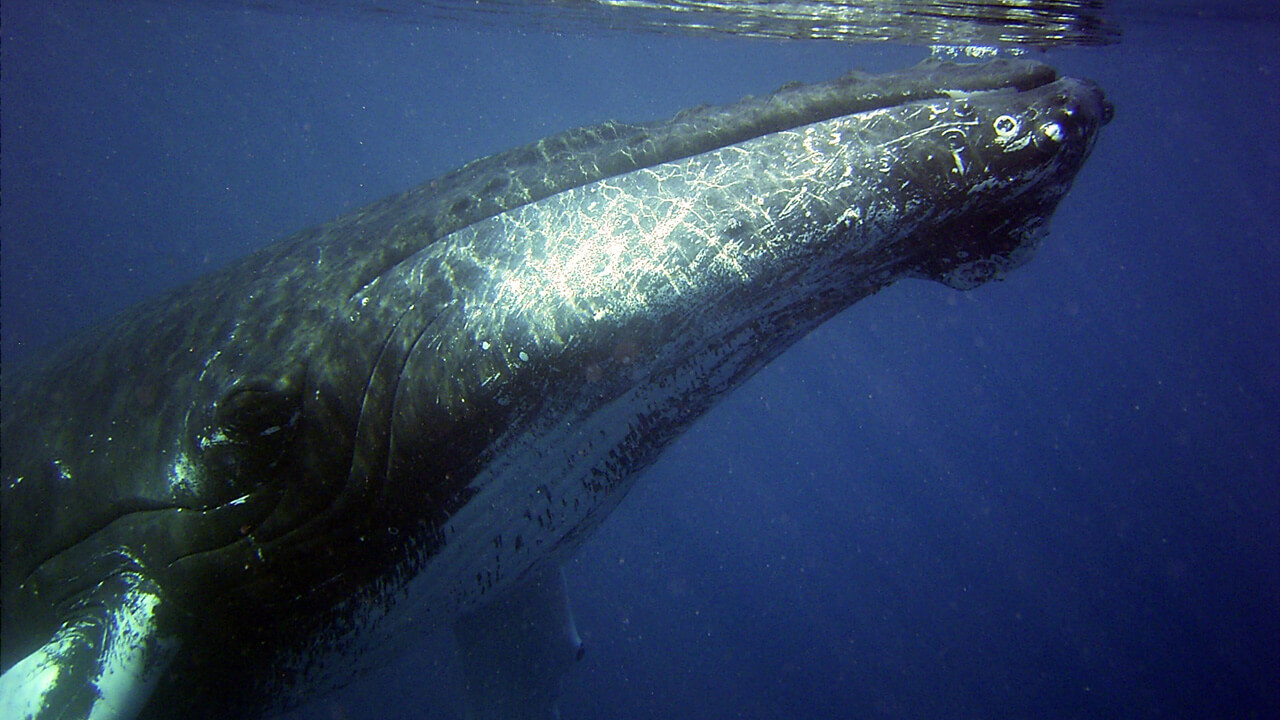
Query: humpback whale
[[245, 492]]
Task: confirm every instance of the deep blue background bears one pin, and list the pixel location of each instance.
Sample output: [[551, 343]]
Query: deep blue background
[[1051, 497]]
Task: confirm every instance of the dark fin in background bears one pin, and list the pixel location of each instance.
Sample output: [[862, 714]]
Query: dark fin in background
[[515, 650]]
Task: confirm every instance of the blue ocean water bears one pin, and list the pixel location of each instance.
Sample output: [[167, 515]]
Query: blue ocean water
[[1051, 497]]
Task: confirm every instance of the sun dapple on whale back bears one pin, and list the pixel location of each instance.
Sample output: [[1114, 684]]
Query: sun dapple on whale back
[[242, 493]]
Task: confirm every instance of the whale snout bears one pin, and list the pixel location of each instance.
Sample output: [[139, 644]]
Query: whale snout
[[1084, 102], [1072, 117], [1099, 105]]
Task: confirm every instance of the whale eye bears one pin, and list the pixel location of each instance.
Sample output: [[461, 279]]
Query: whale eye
[[246, 436]]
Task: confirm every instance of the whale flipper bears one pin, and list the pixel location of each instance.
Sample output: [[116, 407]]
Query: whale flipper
[[102, 664], [515, 650]]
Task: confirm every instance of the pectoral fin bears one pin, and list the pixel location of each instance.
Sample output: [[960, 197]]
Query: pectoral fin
[[515, 650], [102, 664]]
